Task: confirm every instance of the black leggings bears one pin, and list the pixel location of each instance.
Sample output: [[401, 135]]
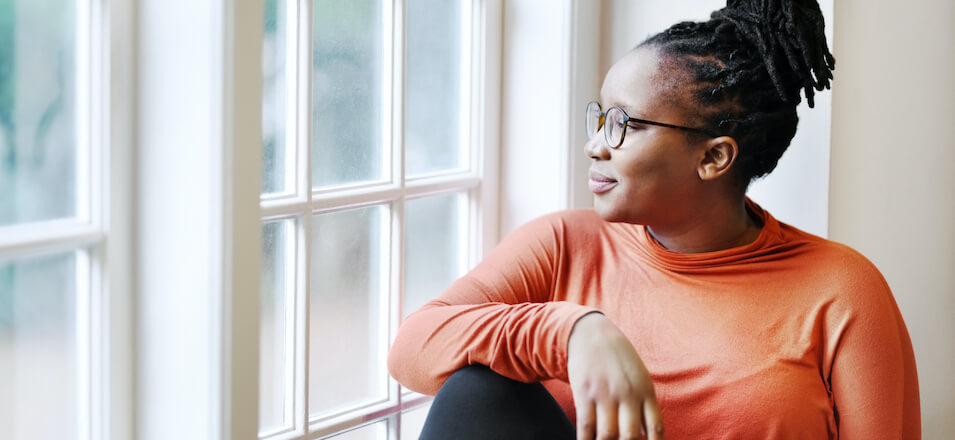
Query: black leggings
[[477, 403]]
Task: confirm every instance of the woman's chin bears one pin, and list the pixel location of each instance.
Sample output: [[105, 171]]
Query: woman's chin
[[607, 210], [613, 212]]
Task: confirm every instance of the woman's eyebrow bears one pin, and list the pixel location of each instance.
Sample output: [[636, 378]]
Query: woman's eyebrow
[[628, 109], [632, 112]]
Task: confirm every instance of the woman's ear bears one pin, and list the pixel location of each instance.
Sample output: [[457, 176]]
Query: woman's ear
[[719, 154]]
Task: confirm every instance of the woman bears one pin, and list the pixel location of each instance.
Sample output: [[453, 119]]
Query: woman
[[677, 301]]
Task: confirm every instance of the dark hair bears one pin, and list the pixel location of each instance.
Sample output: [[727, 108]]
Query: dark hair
[[749, 63]]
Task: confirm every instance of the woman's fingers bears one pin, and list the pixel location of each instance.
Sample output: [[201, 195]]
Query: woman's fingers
[[610, 383], [586, 420], [607, 420], [630, 420], [652, 419], [626, 421]]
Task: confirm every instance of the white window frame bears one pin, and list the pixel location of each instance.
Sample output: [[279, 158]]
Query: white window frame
[[477, 181], [198, 222], [99, 234], [197, 233]]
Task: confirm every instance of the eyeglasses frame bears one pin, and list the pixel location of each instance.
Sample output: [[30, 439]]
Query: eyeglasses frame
[[627, 120]]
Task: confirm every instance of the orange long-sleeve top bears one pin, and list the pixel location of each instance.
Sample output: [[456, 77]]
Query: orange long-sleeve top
[[791, 336]]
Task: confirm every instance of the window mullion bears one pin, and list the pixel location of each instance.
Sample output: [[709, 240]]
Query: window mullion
[[486, 120], [112, 261], [88, 351], [293, 154], [337, 202], [302, 90], [86, 58], [28, 239], [420, 188], [302, 304], [466, 95], [395, 61], [395, 84], [391, 304]]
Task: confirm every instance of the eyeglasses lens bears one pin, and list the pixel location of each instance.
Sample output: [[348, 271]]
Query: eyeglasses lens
[[593, 119], [613, 127]]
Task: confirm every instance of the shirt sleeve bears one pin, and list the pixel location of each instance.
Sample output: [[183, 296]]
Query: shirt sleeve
[[873, 378], [501, 314]]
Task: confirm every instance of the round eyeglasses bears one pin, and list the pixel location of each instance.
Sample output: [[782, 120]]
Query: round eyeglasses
[[615, 121]]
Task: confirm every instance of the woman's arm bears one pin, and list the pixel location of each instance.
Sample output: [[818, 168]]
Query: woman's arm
[[874, 380], [502, 314]]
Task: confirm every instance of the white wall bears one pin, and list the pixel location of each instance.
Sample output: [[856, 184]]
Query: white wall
[[533, 105], [893, 172], [550, 70]]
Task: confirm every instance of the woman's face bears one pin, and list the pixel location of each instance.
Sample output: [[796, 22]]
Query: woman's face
[[652, 178]]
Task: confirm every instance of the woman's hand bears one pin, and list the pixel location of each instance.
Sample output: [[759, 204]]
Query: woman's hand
[[613, 392]]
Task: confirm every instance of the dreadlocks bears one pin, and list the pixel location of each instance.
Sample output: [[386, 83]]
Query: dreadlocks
[[747, 66]]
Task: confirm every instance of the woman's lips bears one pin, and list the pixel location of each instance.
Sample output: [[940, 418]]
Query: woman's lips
[[600, 183]]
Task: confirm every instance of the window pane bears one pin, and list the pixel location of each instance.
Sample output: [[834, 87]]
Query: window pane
[[433, 248], [347, 97], [273, 98], [37, 100], [275, 373], [346, 359], [38, 360], [433, 94], [412, 421], [375, 431]]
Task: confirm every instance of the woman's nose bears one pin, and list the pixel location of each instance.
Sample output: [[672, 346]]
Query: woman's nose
[[596, 147]]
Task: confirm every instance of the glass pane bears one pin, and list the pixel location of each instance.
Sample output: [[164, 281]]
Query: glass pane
[[347, 364], [37, 107], [275, 373], [433, 249], [433, 80], [38, 359], [412, 421], [375, 431], [273, 98], [347, 116]]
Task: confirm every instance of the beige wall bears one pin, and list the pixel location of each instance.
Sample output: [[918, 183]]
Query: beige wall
[[892, 180]]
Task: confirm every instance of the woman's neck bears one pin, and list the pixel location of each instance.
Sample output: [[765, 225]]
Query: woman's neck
[[717, 226]]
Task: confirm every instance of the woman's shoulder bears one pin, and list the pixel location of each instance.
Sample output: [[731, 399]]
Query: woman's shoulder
[[572, 221], [565, 229], [824, 247], [574, 216], [838, 261]]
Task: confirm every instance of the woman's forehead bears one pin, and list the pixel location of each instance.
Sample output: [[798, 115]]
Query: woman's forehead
[[643, 85], [633, 83]]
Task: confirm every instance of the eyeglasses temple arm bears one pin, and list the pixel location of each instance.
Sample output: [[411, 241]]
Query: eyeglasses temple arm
[[680, 127]]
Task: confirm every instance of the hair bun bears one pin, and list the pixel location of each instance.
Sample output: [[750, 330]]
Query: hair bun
[[790, 37]]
